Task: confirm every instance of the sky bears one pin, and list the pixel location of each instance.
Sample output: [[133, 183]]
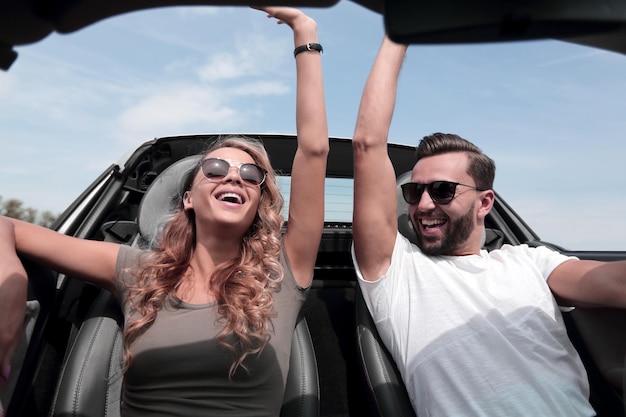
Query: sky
[[550, 113]]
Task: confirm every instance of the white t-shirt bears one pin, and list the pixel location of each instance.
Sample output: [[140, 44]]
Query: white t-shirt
[[478, 335]]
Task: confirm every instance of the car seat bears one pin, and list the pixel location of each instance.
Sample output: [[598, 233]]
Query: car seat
[[385, 389], [387, 394], [90, 383]]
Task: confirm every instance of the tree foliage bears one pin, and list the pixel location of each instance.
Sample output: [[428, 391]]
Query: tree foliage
[[15, 209]]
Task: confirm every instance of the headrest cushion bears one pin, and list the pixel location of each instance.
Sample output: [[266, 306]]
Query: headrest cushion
[[163, 197], [405, 227]]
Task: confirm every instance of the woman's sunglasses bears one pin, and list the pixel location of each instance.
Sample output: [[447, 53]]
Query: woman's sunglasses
[[441, 192], [216, 169]]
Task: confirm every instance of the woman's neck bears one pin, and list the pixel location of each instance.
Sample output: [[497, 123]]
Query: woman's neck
[[207, 255]]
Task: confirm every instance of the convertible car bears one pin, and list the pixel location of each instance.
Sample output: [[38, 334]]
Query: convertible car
[[66, 365]]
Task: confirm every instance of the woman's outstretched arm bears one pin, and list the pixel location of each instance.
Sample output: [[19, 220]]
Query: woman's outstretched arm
[[93, 261]]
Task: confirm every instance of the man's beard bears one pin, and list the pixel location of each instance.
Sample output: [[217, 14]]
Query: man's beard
[[459, 231]]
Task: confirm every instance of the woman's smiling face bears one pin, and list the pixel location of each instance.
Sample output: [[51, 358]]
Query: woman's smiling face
[[228, 201]]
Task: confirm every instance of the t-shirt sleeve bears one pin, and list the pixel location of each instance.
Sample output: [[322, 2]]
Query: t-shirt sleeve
[[378, 293], [126, 267], [546, 259]]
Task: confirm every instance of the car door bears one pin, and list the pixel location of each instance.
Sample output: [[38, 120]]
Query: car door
[[55, 307]]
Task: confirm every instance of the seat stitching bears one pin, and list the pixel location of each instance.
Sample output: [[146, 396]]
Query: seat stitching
[[83, 368]]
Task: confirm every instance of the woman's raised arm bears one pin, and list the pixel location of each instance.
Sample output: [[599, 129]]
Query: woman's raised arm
[[306, 205]]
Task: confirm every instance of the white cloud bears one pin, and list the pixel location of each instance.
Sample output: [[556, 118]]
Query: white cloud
[[184, 104], [224, 66], [261, 88], [248, 59], [193, 11], [173, 111]]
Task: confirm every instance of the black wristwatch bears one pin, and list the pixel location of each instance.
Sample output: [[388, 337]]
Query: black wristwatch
[[308, 47]]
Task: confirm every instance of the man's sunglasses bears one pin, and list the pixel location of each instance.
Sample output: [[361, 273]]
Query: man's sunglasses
[[216, 169], [441, 192]]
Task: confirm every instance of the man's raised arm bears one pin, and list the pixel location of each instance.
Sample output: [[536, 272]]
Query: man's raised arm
[[375, 223]]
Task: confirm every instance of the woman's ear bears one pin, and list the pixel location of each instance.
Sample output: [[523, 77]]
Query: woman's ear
[[187, 201]]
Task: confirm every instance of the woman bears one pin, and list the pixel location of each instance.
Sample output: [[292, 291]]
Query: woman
[[209, 314]]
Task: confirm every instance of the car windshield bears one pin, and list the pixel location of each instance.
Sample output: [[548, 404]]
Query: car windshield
[[338, 204]]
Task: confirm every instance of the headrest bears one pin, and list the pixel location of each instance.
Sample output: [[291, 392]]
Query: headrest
[[405, 227], [162, 199], [404, 221]]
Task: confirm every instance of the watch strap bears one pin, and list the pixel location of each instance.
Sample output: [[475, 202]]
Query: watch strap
[[311, 46]]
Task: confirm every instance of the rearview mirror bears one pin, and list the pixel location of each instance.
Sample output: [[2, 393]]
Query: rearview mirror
[[463, 21]]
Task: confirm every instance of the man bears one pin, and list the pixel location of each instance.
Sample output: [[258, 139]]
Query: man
[[473, 333]]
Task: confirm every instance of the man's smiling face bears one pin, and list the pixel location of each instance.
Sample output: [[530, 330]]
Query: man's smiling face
[[445, 229]]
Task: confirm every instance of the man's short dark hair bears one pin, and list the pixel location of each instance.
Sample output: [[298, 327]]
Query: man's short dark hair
[[481, 168]]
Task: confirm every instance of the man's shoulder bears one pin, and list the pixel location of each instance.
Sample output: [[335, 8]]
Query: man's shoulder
[[539, 255]]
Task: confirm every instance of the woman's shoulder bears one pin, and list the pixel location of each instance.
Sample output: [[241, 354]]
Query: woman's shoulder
[[130, 255], [129, 261], [288, 279]]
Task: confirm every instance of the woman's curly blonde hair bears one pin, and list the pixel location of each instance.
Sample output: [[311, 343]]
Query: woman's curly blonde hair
[[243, 286]]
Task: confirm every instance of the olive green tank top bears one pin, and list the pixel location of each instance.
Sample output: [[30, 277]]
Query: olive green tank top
[[179, 369]]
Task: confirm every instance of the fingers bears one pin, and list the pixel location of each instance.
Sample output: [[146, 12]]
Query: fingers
[[283, 15], [13, 290], [5, 359], [5, 366], [6, 372], [265, 9]]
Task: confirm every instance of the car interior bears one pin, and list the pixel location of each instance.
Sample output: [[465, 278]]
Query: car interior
[[67, 362], [339, 367]]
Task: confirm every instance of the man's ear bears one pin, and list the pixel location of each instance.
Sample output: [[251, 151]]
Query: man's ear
[[486, 203], [187, 201]]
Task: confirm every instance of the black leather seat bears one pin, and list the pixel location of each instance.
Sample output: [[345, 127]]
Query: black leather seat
[[387, 394], [91, 382]]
